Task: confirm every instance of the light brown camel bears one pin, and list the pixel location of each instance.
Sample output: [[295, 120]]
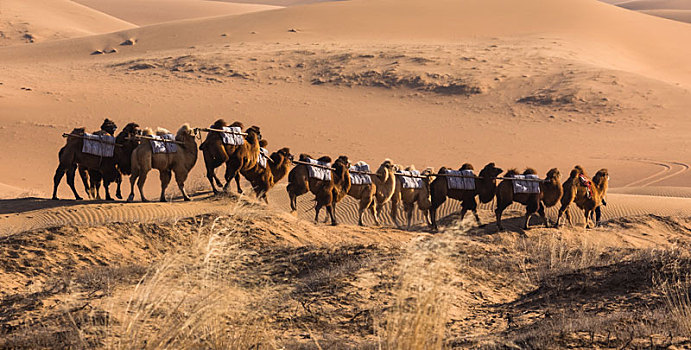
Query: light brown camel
[[385, 184], [485, 187], [410, 197], [180, 162], [550, 194], [217, 153], [244, 157], [327, 193], [263, 179], [71, 156], [366, 196], [588, 194]]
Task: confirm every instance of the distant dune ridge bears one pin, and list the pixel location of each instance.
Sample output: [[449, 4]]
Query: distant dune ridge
[[678, 10]]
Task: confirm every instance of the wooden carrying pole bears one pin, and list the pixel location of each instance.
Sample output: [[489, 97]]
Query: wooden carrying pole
[[223, 131], [85, 138], [154, 139]]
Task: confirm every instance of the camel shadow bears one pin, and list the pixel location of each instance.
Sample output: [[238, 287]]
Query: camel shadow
[[21, 205]]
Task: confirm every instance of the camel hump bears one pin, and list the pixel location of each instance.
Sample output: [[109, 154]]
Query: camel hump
[[263, 143], [219, 124], [237, 124], [304, 157], [147, 132], [529, 171], [511, 173], [410, 168], [325, 159], [161, 131], [467, 166], [79, 131]]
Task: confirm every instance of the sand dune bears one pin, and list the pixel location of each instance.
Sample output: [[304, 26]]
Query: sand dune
[[677, 15], [639, 5], [43, 20], [145, 12]]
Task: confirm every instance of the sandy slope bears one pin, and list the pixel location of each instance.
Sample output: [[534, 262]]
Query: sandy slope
[[639, 5], [145, 12], [42, 20]]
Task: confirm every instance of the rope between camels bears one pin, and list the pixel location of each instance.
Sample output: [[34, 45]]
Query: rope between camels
[[95, 140]]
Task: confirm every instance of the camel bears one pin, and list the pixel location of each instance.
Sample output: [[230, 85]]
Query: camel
[[216, 153], [327, 193], [71, 155], [123, 161], [263, 179], [376, 194], [180, 162], [485, 187], [589, 195], [410, 197], [385, 184], [550, 193]]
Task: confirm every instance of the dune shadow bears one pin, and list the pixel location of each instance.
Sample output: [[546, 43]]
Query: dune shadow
[[21, 205]]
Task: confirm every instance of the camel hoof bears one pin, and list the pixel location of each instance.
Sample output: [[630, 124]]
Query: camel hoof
[[162, 200], [130, 198], [186, 199], [110, 199], [55, 198], [482, 225], [118, 195], [78, 198], [144, 200]]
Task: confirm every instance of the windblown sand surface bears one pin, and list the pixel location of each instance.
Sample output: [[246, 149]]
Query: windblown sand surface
[[533, 83]]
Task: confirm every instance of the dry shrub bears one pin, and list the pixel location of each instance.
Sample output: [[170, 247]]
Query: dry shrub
[[418, 316], [186, 300], [674, 281]]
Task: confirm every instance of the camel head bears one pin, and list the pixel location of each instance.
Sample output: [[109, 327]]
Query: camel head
[[487, 183], [601, 178], [577, 170], [263, 143], [343, 160], [385, 170], [185, 133], [284, 153], [109, 126], [553, 175], [254, 131]]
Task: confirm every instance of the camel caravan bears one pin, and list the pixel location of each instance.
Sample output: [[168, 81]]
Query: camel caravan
[[102, 157]]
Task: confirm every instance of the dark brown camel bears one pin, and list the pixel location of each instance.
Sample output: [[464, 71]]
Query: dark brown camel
[[71, 155], [550, 194], [123, 161], [217, 153], [589, 195], [327, 193], [485, 187], [263, 179]]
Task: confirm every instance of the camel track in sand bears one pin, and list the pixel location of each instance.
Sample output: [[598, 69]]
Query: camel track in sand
[[664, 174]]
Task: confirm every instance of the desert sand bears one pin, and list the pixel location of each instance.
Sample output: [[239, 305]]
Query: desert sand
[[539, 84]]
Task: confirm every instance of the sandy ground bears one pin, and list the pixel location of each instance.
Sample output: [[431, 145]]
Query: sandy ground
[[430, 83]]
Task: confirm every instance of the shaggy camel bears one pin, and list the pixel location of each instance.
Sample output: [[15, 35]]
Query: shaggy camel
[[180, 162], [485, 187], [216, 153], [71, 155], [410, 197], [327, 193], [588, 194], [376, 194], [263, 179], [550, 194], [123, 161]]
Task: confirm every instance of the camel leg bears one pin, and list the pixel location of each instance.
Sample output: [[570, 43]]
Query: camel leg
[[500, 209], [211, 175], [317, 209], [70, 181], [59, 173], [425, 213], [331, 210], [598, 215], [83, 174], [293, 202], [408, 209], [180, 177], [106, 188], [237, 182], [165, 176], [118, 181], [541, 211], [394, 212], [587, 218], [568, 217], [376, 210], [361, 213], [133, 179], [433, 218], [563, 209], [140, 185]]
